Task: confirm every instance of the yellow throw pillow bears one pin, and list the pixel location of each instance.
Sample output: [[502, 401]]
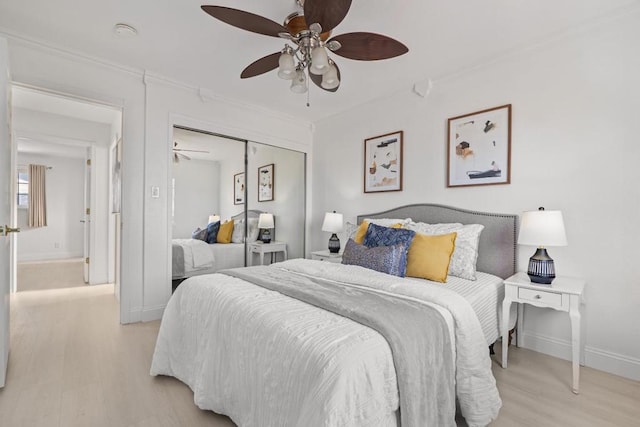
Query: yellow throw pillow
[[429, 256], [225, 232], [360, 232], [398, 225]]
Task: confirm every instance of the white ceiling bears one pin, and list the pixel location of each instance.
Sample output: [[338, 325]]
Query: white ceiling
[[48, 148], [176, 39]]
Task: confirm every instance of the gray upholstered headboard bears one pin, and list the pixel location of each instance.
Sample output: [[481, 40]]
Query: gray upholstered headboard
[[497, 248]]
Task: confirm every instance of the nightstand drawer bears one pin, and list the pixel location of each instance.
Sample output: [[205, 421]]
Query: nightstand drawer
[[550, 299]]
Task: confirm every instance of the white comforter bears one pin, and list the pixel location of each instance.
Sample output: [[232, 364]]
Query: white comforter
[[266, 359], [197, 254]]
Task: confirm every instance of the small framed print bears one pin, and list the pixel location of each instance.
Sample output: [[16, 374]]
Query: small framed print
[[479, 148], [266, 183], [383, 163], [238, 188]]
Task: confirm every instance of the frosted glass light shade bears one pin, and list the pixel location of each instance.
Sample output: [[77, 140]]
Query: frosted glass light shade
[[265, 220], [330, 78], [319, 61], [333, 222], [287, 68], [214, 218], [299, 82], [542, 228]]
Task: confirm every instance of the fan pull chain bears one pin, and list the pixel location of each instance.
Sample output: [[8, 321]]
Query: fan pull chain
[[308, 91]]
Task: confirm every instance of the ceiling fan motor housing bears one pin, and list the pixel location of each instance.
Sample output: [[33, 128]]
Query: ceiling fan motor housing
[[297, 26]]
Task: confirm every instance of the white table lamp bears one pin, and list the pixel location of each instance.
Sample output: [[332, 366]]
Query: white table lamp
[[333, 223], [265, 221], [542, 228]]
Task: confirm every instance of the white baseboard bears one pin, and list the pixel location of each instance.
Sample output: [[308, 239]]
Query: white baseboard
[[47, 256], [613, 363], [153, 313]]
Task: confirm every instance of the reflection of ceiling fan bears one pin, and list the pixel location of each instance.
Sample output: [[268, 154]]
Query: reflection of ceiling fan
[[177, 153], [309, 33]]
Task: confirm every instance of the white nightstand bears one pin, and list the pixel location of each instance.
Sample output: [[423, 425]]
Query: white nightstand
[[327, 256], [564, 294], [266, 248]]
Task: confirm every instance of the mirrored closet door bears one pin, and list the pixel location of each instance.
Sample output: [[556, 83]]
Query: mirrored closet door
[[224, 189]]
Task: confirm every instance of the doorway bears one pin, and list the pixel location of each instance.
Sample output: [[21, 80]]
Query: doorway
[[72, 139]]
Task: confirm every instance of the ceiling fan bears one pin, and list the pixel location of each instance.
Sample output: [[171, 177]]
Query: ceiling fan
[[309, 33], [178, 153]]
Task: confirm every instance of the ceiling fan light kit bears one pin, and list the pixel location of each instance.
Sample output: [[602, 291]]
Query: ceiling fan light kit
[[311, 43]]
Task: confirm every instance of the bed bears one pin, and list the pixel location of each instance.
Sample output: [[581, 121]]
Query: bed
[[300, 343], [193, 257]]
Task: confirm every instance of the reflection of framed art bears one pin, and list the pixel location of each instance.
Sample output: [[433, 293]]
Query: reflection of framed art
[[238, 188], [383, 163], [265, 183], [479, 148]]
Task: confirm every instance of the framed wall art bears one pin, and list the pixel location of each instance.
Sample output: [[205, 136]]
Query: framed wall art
[[383, 163], [479, 148], [266, 183], [238, 188]]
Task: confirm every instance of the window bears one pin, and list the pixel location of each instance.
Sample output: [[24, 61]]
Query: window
[[23, 187]]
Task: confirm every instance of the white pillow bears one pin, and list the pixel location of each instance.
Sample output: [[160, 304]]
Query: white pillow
[[238, 231], [252, 230], [465, 256]]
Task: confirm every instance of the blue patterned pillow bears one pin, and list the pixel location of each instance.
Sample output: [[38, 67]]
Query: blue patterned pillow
[[386, 259], [199, 234], [212, 232], [378, 235]]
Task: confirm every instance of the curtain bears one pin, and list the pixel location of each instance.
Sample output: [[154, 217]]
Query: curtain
[[37, 196]]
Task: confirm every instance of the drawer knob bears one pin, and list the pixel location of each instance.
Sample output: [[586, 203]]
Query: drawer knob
[[537, 297]]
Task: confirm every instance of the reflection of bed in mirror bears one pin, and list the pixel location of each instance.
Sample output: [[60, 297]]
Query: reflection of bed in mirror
[[193, 257]]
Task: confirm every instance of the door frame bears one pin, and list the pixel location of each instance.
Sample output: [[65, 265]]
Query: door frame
[[90, 145]]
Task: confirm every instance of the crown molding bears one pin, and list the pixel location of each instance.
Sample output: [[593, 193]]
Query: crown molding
[[207, 95], [68, 53]]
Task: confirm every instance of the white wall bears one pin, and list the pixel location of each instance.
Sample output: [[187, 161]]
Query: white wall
[[197, 195], [574, 147], [63, 236]]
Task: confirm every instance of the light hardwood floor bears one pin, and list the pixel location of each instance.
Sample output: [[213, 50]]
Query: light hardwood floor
[[38, 276], [72, 364]]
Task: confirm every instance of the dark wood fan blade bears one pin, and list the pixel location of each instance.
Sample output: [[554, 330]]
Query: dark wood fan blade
[[261, 66], [368, 46], [318, 79], [327, 13], [246, 20]]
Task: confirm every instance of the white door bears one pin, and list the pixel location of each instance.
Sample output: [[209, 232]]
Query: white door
[[87, 215], [6, 193]]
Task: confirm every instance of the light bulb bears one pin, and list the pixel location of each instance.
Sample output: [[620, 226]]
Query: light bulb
[[319, 61], [299, 82], [330, 79], [287, 68]]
